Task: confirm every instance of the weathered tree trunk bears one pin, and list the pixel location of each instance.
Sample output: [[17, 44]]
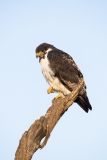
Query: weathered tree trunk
[[31, 139]]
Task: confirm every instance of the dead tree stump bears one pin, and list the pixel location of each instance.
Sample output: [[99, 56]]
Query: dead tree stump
[[31, 140]]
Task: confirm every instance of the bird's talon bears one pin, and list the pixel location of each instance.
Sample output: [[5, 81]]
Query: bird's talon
[[50, 90], [60, 95]]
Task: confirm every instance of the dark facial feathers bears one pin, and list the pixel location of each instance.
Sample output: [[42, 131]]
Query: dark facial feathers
[[43, 47]]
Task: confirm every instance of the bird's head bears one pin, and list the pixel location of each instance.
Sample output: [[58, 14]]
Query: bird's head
[[42, 49]]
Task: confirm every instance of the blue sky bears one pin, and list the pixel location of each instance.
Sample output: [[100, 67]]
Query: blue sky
[[80, 29]]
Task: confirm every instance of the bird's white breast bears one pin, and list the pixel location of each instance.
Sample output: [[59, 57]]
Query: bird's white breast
[[49, 76], [47, 72]]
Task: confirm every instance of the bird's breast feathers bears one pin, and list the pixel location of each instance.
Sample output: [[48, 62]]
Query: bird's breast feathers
[[50, 76], [46, 70]]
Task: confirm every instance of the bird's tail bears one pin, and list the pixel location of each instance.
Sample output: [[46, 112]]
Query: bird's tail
[[83, 102]]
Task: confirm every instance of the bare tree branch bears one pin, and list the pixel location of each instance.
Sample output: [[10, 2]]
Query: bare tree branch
[[41, 128]]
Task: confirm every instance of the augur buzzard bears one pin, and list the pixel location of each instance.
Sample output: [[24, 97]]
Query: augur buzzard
[[61, 73]]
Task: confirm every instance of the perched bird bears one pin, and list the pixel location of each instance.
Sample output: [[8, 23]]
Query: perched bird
[[61, 73]]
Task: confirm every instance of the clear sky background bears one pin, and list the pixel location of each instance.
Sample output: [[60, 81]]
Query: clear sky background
[[79, 28]]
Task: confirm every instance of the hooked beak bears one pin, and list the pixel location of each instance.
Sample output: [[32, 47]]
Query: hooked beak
[[39, 54]]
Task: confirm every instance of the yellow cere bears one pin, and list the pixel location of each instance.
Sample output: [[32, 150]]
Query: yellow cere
[[39, 54]]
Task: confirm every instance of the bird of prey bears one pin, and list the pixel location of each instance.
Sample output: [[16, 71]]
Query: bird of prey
[[61, 73]]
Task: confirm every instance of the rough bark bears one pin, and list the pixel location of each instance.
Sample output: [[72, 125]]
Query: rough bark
[[41, 128]]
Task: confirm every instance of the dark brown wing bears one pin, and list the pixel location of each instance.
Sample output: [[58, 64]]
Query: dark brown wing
[[64, 68], [69, 74]]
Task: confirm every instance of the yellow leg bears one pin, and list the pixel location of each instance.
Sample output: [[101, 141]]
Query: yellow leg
[[60, 95], [50, 90]]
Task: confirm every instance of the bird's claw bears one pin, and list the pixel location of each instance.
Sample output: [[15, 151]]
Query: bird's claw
[[60, 95], [50, 90]]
